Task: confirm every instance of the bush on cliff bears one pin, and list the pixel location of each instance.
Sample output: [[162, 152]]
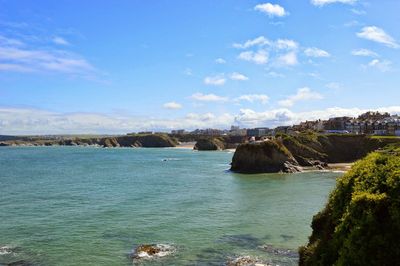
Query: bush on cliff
[[360, 224]]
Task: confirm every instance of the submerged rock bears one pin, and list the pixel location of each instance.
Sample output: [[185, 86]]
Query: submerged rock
[[280, 251], [245, 261], [151, 251]]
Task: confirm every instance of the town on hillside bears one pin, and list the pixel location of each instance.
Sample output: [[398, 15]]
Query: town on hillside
[[369, 123]]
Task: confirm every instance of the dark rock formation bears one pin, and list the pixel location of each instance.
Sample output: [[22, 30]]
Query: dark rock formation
[[306, 149], [110, 143], [150, 251], [209, 144], [153, 140], [263, 157], [245, 261]]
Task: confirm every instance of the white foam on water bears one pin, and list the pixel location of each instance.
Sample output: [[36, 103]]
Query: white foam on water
[[5, 250]]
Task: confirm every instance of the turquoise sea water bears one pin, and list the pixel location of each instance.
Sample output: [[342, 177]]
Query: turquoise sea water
[[92, 206]]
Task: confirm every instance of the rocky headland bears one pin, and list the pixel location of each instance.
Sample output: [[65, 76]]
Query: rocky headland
[[148, 141], [289, 153], [209, 144]]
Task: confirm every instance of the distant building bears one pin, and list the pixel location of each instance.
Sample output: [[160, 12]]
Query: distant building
[[146, 132], [258, 132], [237, 131], [337, 123], [178, 132]]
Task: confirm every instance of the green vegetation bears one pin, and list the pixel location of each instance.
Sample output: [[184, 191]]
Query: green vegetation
[[360, 224]]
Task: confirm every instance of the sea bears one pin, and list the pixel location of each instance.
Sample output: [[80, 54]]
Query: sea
[[94, 206]]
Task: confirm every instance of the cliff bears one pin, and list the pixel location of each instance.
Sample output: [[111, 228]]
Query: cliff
[[209, 144], [360, 225], [263, 157], [308, 149], [150, 141]]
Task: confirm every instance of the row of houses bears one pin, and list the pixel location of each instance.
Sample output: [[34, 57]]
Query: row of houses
[[371, 123]]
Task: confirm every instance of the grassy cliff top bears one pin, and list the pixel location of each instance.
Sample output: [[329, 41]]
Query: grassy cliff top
[[360, 224]]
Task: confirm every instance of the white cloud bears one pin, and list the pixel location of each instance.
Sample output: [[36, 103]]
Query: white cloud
[[172, 106], [376, 34], [316, 52], [60, 41], [259, 41], [253, 98], [364, 52], [260, 57], [271, 10], [217, 80], [16, 58], [208, 97], [303, 94], [220, 61], [23, 121], [327, 2], [285, 44], [4, 41], [188, 72], [352, 23], [279, 117], [14, 68], [358, 11], [238, 76], [382, 65], [333, 85], [289, 59], [275, 74]]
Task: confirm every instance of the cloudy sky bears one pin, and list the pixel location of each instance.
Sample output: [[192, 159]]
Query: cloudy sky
[[123, 66]]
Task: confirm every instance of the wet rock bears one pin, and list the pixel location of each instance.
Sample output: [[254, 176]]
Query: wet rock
[[3, 144], [245, 261], [150, 251], [280, 251]]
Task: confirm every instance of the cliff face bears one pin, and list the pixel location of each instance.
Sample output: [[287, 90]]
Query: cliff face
[[308, 149], [155, 140], [360, 224], [209, 144], [263, 157]]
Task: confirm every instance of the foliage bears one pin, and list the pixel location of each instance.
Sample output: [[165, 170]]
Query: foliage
[[360, 225]]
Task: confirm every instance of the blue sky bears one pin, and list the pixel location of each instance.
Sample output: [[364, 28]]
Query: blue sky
[[122, 66]]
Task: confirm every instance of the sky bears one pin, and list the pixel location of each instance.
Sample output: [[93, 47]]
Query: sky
[[110, 67]]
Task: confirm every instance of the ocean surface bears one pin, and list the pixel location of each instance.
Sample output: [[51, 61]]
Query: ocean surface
[[93, 206]]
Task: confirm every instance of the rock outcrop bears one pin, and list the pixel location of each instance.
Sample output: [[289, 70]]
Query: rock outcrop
[[149, 141], [305, 149], [264, 157], [209, 144], [151, 251]]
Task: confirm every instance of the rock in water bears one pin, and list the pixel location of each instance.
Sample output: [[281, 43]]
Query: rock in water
[[263, 157], [245, 261], [149, 251], [208, 144]]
